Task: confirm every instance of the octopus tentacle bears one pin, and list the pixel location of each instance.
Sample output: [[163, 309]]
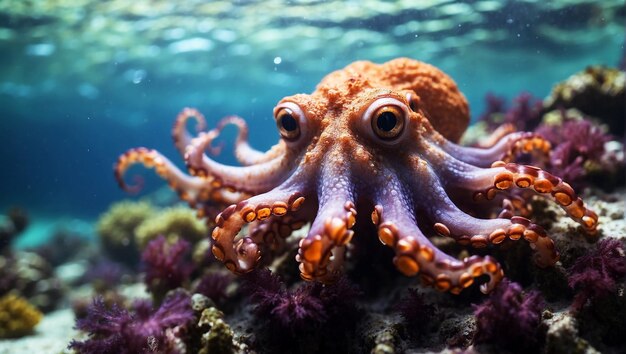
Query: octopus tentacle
[[505, 149], [322, 251], [253, 179], [486, 183], [245, 154], [193, 190], [495, 136], [450, 221], [274, 230], [181, 136], [415, 254], [240, 256]]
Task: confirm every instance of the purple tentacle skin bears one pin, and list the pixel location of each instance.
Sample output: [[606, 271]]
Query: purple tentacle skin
[[380, 139]]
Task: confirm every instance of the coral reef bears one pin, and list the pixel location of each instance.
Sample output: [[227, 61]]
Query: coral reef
[[11, 225], [218, 336], [510, 318], [32, 277], [578, 146], [416, 313], [294, 318], [597, 273], [167, 265], [174, 222], [141, 329], [213, 286], [117, 228], [17, 316], [597, 91]]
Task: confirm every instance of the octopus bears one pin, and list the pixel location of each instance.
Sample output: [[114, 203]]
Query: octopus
[[380, 139]]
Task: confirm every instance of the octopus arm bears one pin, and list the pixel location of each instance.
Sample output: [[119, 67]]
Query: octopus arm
[[450, 221], [245, 154], [322, 252], [505, 149], [253, 179], [274, 231], [181, 136], [415, 254], [190, 189], [240, 255], [486, 183]]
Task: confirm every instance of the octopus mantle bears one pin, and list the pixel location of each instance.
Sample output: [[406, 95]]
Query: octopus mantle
[[380, 139]]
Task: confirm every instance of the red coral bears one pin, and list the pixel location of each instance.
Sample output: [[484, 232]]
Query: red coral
[[509, 317], [595, 274], [142, 330], [167, 266]]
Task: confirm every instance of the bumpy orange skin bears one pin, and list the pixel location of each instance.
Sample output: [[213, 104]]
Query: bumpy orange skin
[[373, 138]]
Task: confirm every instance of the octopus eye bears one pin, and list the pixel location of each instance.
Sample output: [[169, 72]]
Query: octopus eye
[[388, 122], [414, 101], [288, 124]]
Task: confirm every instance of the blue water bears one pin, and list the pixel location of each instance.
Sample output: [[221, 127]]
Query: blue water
[[79, 86]]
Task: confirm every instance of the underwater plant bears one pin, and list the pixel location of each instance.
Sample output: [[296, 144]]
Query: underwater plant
[[510, 318], [17, 316], [524, 114], [303, 308], [578, 147], [117, 226], [141, 329], [167, 265], [597, 273], [213, 286], [416, 313]]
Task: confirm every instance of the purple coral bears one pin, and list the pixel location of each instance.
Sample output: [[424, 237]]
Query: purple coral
[[595, 274], [494, 105], [214, 285], [306, 306], [416, 313], [509, 317], [167, 266], [141, 330], [575, 143], [524, 114]]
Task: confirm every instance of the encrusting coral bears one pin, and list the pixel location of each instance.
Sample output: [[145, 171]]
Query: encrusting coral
[[17, 316], [117, 228], [598, 91], [174, 222]]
